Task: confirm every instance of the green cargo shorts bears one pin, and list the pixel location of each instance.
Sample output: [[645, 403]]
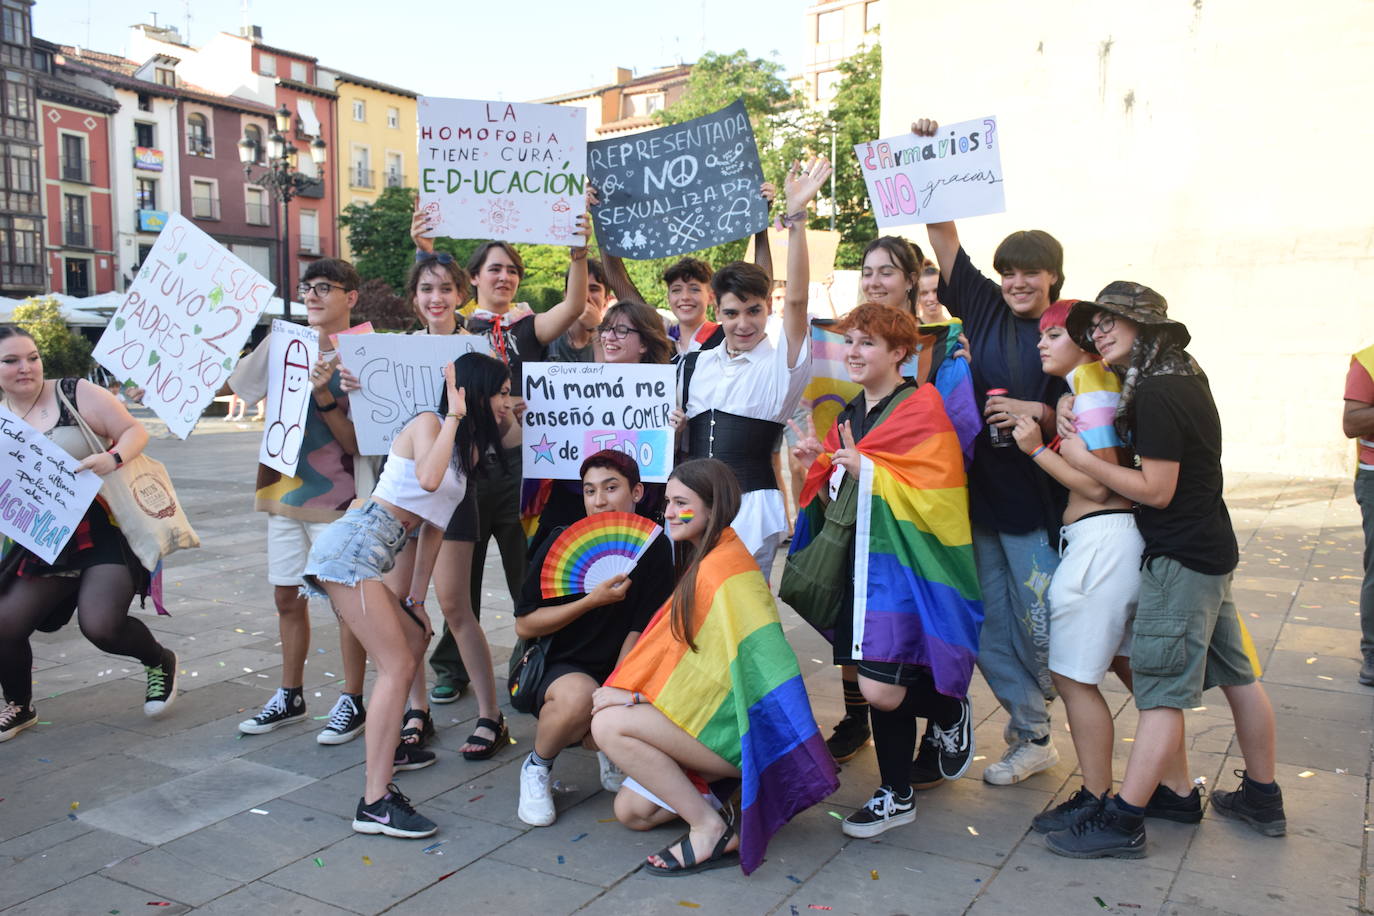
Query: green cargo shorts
[[1187, 637]]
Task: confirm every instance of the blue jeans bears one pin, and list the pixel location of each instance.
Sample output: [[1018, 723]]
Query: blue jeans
[[1364, 495], [1014, 571]]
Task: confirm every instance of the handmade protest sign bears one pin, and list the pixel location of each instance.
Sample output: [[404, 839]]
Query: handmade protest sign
[[680, 188], [953, 175], [180, 329], [42, 496], [292, 351], [577, 409], [502, 170], [401, 375]]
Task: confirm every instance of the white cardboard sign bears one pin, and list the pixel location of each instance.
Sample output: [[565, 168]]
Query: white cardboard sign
[[180, 329], [42, 497], [577, 409], [401, 375], [292, 352], [502, 170], [953, 175]]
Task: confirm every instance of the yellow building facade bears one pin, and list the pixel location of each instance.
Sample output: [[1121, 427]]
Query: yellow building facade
[[1214, 151], [376, 143]]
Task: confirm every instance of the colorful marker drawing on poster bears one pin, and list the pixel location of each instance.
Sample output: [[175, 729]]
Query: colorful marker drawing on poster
[[680, 188], [292, 352], [42, 496], [182, 324], [401, 375], [502, 170], [577, 409], [955, 174]]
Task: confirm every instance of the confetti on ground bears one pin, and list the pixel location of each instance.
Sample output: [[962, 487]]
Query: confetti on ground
[[329, 674], [1312, 659], [1130, 906], [1100, 903], [221, 664], [972, 831], [512, 741], [158, 903], [689, 904], [432, 847], [599, 820], [981, 757], [1325, 678], [256, 811], [873, 873], [1339, 772], [835, 815], [449, 875], [817, 906], [794, 879], [1128, 740], [238, 629], [1305, 774], [71, 817], [367, 860], [319, 863], [45, 723], [560, 860], [817, 661], [76, 805], [795, 911], [475, 797]]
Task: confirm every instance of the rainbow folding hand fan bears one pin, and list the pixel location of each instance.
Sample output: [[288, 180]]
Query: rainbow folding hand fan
[[593, 550]]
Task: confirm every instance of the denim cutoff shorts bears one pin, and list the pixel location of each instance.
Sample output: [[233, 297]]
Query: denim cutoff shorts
[[361, 545]]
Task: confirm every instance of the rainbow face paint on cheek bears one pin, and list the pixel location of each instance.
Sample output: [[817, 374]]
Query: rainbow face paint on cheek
[[685, 517]]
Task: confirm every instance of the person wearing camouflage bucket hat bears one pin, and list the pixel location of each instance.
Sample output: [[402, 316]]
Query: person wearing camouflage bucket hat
[[1132, 301]]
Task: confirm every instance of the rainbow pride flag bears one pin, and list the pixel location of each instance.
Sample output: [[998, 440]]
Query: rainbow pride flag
[[740, 693], [830, 388], [916, 595]]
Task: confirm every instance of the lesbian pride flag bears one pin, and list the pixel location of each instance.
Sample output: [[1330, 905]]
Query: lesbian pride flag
[[740, 693]]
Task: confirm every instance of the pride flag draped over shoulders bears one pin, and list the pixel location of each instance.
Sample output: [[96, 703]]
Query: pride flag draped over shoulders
[[916, 595], [740, 693], [1097, 392], [830, 388]]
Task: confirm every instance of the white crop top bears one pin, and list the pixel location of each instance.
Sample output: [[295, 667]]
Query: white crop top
[[400, 487]]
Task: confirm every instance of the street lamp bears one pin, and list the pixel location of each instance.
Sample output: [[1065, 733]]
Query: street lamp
[[283, 182]]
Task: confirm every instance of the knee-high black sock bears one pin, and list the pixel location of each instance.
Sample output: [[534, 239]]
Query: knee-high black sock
[[894, 741], [855, 706]]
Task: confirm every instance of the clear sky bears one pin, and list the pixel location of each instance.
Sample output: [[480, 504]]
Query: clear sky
[[512, 50]]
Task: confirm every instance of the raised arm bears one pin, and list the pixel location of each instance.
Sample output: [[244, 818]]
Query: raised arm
[[802, 184], [944, 237], [550, 325], [616, 274], [763, 251], [419, 226], [433, 442]]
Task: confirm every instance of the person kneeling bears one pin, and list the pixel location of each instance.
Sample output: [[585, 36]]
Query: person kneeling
[[586, 635]]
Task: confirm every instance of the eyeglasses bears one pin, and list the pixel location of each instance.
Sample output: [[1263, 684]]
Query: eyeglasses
[[442, 257], [321, 289], [618, 331], [1103, 325]]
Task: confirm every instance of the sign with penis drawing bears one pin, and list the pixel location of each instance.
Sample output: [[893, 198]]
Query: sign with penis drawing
[[292, 351], [514, 171], [955, 174]]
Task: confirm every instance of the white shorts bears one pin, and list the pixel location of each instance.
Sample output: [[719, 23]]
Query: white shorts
[[288, 545], [639, 789], [1093, 595]]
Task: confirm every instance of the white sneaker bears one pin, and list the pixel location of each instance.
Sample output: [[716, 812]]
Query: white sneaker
[[612, 776], [536, 799], [1022, 759]]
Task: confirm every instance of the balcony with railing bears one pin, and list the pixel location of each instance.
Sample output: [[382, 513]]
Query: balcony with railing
[[77, 169], [76, 235], [359, 177], [257, 214], [200, 146], [395, 180], [309, 244], [205, 207]]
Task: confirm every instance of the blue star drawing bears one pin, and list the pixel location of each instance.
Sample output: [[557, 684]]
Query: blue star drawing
[[543, 449]]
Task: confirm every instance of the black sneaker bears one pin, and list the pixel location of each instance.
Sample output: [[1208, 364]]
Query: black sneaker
[[883, 812], [285, 707], [1170, 806], [1366, 675], [411, 757], [346, 720], [1064, 815], [848, 738], [955, 743], [162, 685], [392, 815], [15, 718], [1261, 810], [1107, 832], [925, 769]]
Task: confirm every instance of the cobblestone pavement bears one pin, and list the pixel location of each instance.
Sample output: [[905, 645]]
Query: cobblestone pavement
[[105, 811]]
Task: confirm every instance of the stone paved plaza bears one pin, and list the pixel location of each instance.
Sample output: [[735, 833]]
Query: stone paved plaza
[[105, 811]]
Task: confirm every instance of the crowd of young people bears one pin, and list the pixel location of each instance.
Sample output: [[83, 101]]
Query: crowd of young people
[[1098, 425]]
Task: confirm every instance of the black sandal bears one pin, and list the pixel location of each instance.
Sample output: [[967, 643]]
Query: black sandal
[[718, 858], [489, 745], [417, 737]]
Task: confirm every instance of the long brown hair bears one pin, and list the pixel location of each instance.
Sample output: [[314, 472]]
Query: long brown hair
[[715, 483], [657, 347]]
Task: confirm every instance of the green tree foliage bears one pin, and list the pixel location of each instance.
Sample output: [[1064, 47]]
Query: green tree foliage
[[66, 353]]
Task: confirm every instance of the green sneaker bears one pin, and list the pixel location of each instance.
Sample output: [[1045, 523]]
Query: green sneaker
[[443, 694]]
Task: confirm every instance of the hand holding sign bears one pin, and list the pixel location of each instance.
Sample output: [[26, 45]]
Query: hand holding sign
[[43, 492], [934, 175]]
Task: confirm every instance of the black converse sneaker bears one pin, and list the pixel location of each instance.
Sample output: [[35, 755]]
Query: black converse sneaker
[[1064, 815], [346, 720], [1261, 810], [848, 738], [15, 718], [392, 815], [1110, 831], [162, 685], [955, 743], [883, 811], [925, 769], [286, 706]]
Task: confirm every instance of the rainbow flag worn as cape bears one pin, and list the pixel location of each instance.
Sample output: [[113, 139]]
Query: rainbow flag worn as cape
[[916, 595], [740, 693], [830, 388]]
